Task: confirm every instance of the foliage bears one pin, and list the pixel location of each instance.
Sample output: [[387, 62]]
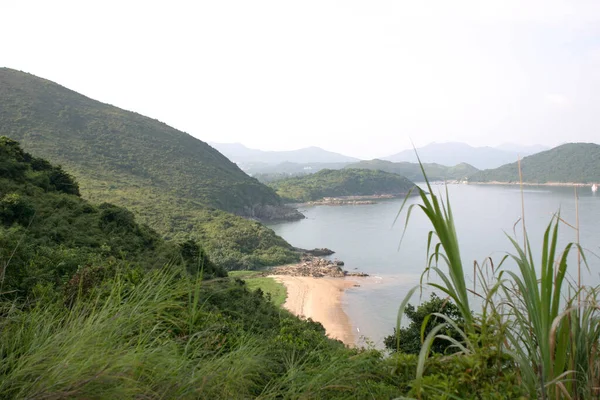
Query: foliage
[[568, 163], [482, 375], [173, 182], [533, 320], [273, 290], [164, 335], [408, 340], [102, 142], [413, 171], [346, 182], [48, 233]]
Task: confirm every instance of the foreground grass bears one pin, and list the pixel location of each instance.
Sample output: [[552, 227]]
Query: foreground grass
[[276, 291], [164, 335]]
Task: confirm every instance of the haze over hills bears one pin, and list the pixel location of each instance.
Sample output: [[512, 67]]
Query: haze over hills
[[453, 153], [174, 182], [568, 163], [412, 171], [524, 150], [243, 155], [289, 168]]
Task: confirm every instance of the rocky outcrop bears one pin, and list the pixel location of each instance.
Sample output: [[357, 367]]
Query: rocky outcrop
[[315, 267]]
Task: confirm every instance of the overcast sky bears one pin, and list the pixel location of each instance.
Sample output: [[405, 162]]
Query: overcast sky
[[357, 77]]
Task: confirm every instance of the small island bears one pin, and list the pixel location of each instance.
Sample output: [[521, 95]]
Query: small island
[[341, 187]]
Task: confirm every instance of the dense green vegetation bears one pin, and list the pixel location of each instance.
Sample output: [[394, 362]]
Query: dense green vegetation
[[164, 335], [571, 162], [104, 143], [94, 305], [273, 290], [413, 172], [336, 183], [408, 340], [49, 236], [172, 182]]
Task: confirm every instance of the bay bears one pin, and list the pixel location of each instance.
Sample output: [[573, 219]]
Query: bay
[[366, 239]]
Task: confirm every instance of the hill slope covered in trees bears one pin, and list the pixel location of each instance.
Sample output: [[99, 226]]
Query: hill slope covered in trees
[[48, 233], [571, 162], [173, 182], [412, 171], [345, 182], [101, 142]]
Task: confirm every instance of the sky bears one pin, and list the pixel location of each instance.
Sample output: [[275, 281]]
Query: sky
[[363, 78]]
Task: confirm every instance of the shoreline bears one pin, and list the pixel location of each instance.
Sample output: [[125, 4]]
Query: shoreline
[[349, 200], [531, 184], [320, 300]]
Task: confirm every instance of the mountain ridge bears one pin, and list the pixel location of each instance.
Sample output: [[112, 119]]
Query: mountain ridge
[[341, 183], [81, 133], [567, 163], [241, 154], [453, 153], [413, 172]]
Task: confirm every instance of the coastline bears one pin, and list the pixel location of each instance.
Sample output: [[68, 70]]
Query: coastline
[[320, 300], [532, 184]]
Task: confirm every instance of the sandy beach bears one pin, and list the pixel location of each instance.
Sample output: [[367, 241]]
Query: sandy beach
[[320, 299]]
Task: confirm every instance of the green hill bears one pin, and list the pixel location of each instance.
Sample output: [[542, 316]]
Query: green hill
[[105, 143], [48, 233], [345, 182], [412, 171], [173, 182], [571, 162]]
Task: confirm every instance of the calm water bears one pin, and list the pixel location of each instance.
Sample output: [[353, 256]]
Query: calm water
[[365, 238]]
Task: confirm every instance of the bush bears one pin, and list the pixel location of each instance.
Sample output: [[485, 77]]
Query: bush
[[409, 338]]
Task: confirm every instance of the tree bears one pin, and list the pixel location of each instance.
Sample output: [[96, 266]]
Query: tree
[[410, 337]]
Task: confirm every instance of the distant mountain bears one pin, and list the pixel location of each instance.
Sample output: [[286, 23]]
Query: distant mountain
[[453, 153], [243, 155], [571, 162], [289, 168], [346, 182], [412, 171], [174, 182]]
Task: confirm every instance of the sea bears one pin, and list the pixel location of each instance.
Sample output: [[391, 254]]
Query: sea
[[368, 239]]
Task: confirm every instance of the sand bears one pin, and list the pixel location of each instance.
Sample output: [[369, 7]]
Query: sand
[[320, 299]]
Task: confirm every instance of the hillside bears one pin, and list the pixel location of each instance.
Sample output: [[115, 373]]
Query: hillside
[[173, 182], [571, 162], [453, 153], [412, 171], [243, 155], [337, 183], [48, 232], [99, 142]]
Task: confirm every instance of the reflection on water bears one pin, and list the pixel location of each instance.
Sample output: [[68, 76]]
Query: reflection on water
[[365, 238]]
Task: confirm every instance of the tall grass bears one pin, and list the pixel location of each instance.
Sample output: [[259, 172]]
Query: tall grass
[[122, 345], [548, 326], [165, 335]]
